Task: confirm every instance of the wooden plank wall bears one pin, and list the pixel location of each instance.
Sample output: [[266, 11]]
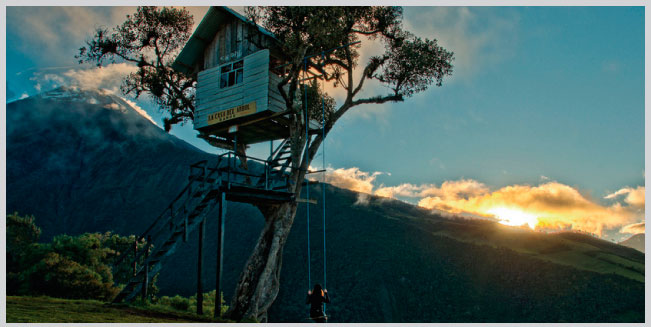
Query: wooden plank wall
[[276, 101], [254, 87], [230, 43]]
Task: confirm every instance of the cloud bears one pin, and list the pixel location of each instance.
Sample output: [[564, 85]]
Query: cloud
[[636, 228], [479, 37], [463, 188], [58, 32], [23, 96], [351, 178], [548, 206], [634, 196], [108, 77], [139, 110]]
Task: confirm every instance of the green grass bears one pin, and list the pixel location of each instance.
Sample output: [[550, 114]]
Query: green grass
[[43, 309]]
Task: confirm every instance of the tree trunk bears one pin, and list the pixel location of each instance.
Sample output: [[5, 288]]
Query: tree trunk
[[260, 280]]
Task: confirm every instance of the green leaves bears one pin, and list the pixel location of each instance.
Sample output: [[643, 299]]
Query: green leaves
[[323, 38], [68, 267], [413, 64]]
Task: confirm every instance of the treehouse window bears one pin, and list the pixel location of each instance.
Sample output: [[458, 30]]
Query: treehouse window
[[232, 74]]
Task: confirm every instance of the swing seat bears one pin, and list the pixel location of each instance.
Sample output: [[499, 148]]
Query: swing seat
[[319, 317]]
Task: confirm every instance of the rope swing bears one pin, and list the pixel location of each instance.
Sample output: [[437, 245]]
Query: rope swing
[[307, 184], [307, 188]]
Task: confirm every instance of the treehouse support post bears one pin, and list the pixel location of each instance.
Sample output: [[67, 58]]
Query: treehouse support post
[[199, 269], [145, 284], [135, 255], [220, 250]]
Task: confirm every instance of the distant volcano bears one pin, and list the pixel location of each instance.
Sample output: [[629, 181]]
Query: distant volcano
[[636, 241], [86, 161]]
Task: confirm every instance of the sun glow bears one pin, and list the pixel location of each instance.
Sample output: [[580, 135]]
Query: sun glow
[[514, 217]]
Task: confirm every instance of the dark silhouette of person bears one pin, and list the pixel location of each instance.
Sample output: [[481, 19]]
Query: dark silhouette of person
[[316, 297]]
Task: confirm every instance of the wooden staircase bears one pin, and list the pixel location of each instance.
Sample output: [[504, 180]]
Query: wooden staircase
[[208, 186]]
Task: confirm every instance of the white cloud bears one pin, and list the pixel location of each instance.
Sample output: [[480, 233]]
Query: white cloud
[[108, 78], [351, 178], [23, 96], [634, 196], [58, 32], [139, 110], [636, 228], [478, 36]]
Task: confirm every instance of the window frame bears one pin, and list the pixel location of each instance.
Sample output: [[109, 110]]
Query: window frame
[[231, 74]]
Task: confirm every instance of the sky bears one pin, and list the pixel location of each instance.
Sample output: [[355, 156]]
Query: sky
[[541, 123]]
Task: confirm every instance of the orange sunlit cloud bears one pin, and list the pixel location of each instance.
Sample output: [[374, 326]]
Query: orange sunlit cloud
[[634, 196], [549, 206], [633, 228]]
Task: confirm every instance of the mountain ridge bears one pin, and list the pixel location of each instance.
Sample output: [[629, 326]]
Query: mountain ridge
[[85, 167], [636, 242]]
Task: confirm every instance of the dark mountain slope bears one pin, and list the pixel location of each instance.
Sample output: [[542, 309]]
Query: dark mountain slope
[[80, 163], [81, 160], [388, 268]]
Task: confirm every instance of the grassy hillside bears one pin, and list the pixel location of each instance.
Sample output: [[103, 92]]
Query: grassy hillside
[[392, 262], [571, 249], [23, 309]]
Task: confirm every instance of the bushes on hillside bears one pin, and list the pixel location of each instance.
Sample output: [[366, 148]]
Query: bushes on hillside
[[180, 303], [68, 267]]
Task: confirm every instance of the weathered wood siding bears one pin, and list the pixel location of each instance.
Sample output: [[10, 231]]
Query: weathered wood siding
[[230, 43], [254, 87], [276, 102]]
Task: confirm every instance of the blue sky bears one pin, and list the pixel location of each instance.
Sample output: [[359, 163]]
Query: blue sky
[[548, 101]]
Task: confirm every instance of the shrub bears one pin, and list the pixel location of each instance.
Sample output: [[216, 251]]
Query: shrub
[[68, 267], [180, 303]]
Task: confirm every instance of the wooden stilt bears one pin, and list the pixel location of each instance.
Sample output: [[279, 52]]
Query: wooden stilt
[[145, 285], [135, 255], [199, 269], [220, 250]]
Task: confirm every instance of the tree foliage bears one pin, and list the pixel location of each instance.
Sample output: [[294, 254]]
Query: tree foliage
[[150, 39], [69, 266], [308, 35]]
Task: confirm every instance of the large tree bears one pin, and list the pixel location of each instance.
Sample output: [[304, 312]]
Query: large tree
[[307, 36]]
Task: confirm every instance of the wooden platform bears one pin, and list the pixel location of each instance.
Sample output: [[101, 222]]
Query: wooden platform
[[253, 128], [251, 195]]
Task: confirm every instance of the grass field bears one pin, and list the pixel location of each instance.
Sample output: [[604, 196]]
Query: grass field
[[25, 309]]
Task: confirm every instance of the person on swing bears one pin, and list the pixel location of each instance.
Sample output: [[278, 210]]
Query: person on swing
[[316, 297]]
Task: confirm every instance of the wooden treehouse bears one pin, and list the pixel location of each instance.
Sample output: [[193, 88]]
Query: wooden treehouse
[[237, 102]]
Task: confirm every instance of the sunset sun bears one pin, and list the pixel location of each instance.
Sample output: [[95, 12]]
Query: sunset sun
[[514, 217]]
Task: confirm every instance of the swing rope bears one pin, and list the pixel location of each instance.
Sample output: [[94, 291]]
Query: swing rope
[[307, 184], [325, 285], [307, 188]]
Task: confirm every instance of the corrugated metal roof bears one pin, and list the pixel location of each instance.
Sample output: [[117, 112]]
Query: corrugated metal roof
[[204, 34]]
